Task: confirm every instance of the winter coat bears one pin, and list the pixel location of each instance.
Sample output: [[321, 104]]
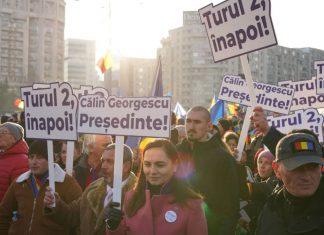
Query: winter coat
[[87, 212], [284, 214], [214, 175], [13, 162], [30, 218], [160, 215]]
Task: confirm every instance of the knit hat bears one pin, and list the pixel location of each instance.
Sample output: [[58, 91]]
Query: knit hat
[[267, 154], [38, 147], [295, 150], [15, 129]]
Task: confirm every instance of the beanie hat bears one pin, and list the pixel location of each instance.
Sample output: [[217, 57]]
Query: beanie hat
[[15, 129], [267, 154], [38, 147]]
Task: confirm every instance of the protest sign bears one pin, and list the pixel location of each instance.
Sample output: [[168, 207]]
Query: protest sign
[[89, 90], [319, 67], [308, 119], [305, 94], [128, 116], [50, 113], [236, 27], [270, 97], [134, 116]]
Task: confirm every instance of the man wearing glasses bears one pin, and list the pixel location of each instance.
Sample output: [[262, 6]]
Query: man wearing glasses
[[13, 154]]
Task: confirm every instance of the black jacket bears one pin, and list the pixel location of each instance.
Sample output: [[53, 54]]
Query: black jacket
[[214, 175], [284, 214]]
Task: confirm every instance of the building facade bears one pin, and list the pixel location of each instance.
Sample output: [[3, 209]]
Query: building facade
[[79, 62], [31, 41]]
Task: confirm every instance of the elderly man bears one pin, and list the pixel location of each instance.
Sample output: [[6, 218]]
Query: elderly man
[[88, 211], [21, 210], [87, 169], [297, 207], [13, 154]]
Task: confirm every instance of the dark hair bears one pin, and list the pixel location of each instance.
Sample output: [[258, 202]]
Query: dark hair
[[201, 109], [179, 188], [230, 135]]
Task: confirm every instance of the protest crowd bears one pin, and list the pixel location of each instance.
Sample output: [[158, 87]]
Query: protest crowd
[[193, 183]]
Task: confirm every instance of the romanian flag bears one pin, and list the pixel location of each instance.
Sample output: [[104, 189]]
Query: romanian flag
[[304, 146], [105, 62]]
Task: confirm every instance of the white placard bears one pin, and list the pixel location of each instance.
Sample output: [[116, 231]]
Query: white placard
[[308, 119], [50, 113], [305, 94], [270, 97], [135, 116], [319, 67], [236, 27]]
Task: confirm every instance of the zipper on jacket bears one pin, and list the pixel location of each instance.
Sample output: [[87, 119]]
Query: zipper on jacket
[[32, 216]]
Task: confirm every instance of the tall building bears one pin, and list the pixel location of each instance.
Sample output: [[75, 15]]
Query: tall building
[[79, 62], [31, 41], [137, 76], [191, 74]]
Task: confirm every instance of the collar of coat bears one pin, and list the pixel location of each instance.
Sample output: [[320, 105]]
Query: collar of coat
[[59, 175], [96, 194]]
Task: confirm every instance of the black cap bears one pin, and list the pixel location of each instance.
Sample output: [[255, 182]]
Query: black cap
[[38, 147], [298, 149]]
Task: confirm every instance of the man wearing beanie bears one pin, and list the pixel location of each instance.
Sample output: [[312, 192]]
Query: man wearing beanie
[[22, 209], [13, 154]]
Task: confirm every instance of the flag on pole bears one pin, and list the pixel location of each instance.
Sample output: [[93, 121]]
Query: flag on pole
[[105, 62], [216, 110], [179, 111], [157, 88]]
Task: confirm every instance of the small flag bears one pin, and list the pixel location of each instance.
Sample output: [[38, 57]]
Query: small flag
[[105, 62], [157, 88], [216, 110], [179, 111], [304, 146]]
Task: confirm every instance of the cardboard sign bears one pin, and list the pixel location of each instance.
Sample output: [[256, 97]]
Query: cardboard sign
[[319, 67], [305, 94], [143, 116], [50, 113], [236, 27], [270, 97], [308, 119]]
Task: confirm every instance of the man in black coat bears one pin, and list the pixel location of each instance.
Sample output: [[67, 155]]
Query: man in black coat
[[211, 170], [297, 207]]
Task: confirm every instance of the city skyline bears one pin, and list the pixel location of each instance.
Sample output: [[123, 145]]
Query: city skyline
[[137, 27]]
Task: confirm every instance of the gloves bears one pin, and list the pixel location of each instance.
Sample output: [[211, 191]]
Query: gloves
[[113, 216]]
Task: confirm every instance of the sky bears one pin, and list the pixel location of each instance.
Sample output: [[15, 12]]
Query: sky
[[137, 26]]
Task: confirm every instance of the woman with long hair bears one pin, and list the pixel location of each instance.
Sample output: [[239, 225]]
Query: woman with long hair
[[159, 203]]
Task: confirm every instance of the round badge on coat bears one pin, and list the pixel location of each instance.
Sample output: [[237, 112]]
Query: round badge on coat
[[170, 216]]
